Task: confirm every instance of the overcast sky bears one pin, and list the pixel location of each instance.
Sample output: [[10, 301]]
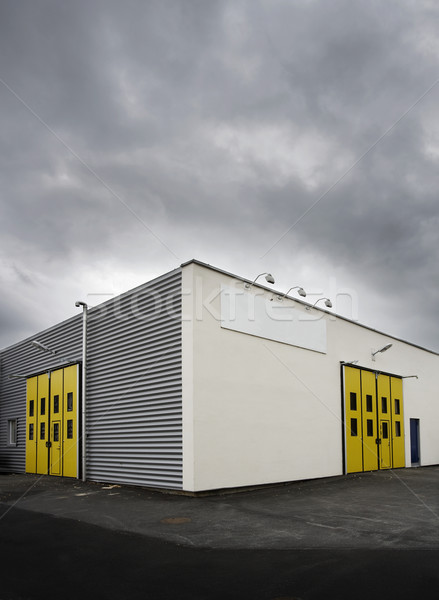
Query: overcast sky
[[296, 137]]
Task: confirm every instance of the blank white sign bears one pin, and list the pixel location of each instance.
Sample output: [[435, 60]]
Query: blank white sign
[[255, 314]]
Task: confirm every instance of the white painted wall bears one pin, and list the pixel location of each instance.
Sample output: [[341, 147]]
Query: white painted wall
[[259, 411], [188, 417]]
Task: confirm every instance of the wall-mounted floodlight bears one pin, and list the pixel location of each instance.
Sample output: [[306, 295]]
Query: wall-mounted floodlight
[[328, 303], [383, 349], [39, 346], [299, 289], [408, 376], [13, 376], [268, 278]]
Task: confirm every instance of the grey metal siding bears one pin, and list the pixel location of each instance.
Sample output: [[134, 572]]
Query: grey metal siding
[[23, 359], [134, 387]]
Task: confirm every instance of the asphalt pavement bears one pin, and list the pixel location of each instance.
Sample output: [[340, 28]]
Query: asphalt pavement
[[345, 537]]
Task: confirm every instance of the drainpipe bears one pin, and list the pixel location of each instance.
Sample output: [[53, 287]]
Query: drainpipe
[[84, 380]]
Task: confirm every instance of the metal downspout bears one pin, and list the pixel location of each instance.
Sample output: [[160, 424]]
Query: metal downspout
[[83, 386], [84, 381]]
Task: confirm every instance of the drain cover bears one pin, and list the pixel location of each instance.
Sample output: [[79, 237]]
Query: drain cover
[[175, 520]]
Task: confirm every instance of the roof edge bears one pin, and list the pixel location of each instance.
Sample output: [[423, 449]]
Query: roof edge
[[357, 323]]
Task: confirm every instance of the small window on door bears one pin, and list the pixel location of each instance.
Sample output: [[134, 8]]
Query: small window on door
[[56, 432], [56, 404], [70, 429], [397, 407], [31, 431], [42, 431], [354, 430], [369, 407], [397, 429], [43, 406], [369, 425], [385, 430], [383, 404], [70, 401], [353, 401], [12, 432], [31, 408]]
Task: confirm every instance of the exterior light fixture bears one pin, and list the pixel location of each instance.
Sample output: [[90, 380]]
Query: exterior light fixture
[[79, 303], [13, 376], [328, 303], [409, 376], [299, 289], [39, 346], [383, 349], [268, 278], [349, 362]]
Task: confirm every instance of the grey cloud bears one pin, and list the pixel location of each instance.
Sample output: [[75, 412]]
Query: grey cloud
[[222, 121]]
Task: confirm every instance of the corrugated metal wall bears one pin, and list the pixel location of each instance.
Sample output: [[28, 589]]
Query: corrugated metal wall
[[134, 387], [24, 359]]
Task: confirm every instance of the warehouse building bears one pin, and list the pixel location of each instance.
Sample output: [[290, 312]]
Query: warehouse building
[[203, 380]]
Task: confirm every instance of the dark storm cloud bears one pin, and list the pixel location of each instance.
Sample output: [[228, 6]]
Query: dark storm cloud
[[222, 121]]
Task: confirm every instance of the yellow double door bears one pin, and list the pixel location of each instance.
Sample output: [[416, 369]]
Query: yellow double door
[[374, 424], [52, 423]]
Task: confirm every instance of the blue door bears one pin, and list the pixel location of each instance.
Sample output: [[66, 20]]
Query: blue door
[[414, 441]]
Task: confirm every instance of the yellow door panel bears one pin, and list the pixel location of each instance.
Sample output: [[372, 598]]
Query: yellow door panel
[[31, 425], [55, 448], [374, 425], [369, 410], [70, 422], [385, 446], [56, 408], [42, 432], [398, 445], [383, 386], [353, 421], [52, 423]]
